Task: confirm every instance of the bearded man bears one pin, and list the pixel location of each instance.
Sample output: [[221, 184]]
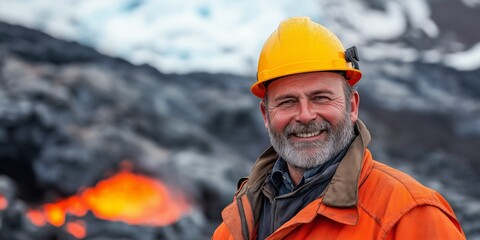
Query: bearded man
[[319, 180]]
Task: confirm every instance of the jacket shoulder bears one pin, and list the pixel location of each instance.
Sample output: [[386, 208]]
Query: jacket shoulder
[[398, 184], [388, 194]]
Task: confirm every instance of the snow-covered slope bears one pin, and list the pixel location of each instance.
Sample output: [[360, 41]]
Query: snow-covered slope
[[226, 36]]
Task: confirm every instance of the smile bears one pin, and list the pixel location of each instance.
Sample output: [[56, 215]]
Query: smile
[[307, 135]]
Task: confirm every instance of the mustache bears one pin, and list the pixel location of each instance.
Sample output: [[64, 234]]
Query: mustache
[[297, 127]]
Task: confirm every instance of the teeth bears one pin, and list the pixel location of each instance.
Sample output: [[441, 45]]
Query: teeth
[[306, 135]]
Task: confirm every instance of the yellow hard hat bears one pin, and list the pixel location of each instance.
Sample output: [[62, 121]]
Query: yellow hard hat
[[300, 45]]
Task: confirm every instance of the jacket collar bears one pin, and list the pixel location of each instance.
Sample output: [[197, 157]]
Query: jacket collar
[[341, 196], [343, 188]]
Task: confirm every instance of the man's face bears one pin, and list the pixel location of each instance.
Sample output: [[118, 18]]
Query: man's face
[[307, 117]]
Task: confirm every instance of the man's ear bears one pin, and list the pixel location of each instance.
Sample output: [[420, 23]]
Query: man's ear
[[263, 109], [354, 103]]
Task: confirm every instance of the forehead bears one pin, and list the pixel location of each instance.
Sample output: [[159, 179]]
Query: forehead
[[307, 82]]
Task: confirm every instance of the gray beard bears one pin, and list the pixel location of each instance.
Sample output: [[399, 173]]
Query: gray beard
[[306, 155]]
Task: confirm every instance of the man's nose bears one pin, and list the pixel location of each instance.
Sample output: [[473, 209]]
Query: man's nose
[[305, 112]]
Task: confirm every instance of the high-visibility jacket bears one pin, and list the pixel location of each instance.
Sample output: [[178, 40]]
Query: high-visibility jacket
[[364, 200]]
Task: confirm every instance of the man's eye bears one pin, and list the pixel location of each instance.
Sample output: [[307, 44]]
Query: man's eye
[[320, 98], [286, 103]]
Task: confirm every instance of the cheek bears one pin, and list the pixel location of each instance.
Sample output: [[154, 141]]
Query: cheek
[[333, 114], [336, 119], [278, 121]]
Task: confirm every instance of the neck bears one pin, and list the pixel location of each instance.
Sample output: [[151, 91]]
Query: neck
[[296, 174]]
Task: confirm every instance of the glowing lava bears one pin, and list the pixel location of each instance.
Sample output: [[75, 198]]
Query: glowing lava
[[77, 228], [128, 197], [3, 202]]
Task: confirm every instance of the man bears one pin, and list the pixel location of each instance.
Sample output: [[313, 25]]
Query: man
[[318, 180]]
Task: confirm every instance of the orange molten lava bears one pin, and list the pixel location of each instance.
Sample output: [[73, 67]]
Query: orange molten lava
[[37, 217], [3, 202], [128, 197], [77, 229]]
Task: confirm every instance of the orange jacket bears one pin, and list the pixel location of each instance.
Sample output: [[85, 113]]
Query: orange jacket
[[364, 200]]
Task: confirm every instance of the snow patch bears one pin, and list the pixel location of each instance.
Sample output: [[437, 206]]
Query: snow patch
[[471, 3], [464, 61]]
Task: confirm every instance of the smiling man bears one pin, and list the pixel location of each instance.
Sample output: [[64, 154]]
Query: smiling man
[[319, 180]]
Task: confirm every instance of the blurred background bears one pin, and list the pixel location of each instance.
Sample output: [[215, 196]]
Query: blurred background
[[132, 119]]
